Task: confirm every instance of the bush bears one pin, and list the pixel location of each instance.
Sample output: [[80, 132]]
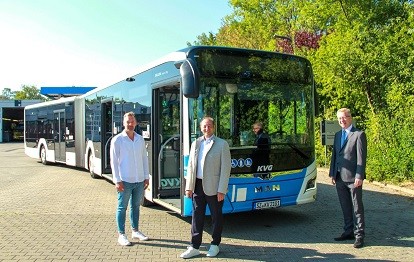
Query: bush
[[390, 149]]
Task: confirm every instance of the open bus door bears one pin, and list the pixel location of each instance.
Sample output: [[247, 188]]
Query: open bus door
[[166, 159]]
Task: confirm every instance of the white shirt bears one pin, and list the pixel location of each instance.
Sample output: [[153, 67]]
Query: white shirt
[[129, 159], [204, 148], [347, 131]]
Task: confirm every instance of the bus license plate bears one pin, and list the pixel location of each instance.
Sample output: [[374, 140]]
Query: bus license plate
[[267, 204]]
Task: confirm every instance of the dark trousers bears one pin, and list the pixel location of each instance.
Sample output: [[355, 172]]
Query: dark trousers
[[200, 202], [350, 198]]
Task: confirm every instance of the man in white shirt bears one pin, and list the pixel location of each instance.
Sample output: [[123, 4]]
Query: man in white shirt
[[129, 163]]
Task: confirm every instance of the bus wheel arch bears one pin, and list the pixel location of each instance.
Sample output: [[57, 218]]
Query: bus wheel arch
[[91, 165], [42, 155]]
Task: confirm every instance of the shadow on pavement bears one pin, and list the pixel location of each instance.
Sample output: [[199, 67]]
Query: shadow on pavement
[[389, 221]]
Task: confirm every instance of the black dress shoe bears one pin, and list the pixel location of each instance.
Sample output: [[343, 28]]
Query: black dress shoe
[[344, 237], [359, 242]]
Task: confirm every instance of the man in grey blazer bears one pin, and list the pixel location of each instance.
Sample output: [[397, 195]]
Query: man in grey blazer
[[347, 171], [207, 180]]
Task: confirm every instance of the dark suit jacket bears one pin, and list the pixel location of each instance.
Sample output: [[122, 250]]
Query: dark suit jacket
[[350, 159], [261, 153]]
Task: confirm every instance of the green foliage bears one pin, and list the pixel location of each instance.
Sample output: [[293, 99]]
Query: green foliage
[[28, 92], [364, 61], [391, 148], [7, 94], [205, 39]]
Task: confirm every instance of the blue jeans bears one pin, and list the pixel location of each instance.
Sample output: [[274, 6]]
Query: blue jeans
[[132, 193]]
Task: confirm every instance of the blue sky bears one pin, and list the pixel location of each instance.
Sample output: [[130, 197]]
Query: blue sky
[[95, 42]]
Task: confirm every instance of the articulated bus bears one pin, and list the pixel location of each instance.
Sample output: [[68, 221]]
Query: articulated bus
[[169, 97]]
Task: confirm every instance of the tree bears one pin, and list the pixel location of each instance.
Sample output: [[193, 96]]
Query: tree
[[7, 94], [365, 63], [363, 58], [205, 39], [28, 92], [266, 25]]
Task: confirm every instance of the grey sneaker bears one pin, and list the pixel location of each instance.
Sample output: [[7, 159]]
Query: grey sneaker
[[190, 252], [123, 240], [139, 235]]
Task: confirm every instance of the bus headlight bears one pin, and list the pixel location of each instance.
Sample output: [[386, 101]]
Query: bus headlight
[[311, 184]]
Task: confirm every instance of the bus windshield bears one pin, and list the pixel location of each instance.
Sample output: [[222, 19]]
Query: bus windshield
[[238, 90]]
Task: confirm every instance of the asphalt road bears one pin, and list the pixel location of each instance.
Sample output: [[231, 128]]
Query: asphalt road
[[57, 213]]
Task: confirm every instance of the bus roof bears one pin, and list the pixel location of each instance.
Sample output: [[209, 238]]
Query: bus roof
[[171, 57], [177, 56], [53, 102]]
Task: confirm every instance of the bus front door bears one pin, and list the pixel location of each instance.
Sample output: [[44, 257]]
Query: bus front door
[[168, 157], [59, 135]]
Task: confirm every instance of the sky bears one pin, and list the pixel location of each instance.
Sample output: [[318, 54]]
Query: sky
[[95, 43]]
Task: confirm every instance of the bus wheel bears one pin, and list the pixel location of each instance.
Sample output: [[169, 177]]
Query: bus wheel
[[90, 164], [43, 155]]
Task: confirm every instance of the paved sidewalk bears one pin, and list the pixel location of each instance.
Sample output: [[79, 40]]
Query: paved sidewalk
[[56, 213]]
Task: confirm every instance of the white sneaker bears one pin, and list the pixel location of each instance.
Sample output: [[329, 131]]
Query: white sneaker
[[213, 251], [139, 235], [190, 252], [123, 240]]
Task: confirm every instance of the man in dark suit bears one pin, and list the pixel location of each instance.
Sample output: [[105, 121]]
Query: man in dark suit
[[207, 179], [347, 171], [262, 140], [260, 154]]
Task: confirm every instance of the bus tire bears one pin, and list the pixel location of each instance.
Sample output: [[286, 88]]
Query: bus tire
[[90, 166], [43, 155]]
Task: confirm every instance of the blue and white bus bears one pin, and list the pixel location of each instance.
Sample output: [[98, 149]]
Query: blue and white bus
[[169, 97]]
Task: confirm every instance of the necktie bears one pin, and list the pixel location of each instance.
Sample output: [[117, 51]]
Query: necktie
[[343, 138]]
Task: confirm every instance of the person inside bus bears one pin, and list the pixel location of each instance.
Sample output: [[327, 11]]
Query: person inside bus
[[207, 180], [129, 163], [260, 155], [347, 170]]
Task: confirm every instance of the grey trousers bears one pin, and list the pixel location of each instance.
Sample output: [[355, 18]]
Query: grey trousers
[[352, 207]]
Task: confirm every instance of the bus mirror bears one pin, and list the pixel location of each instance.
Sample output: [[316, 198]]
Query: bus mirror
[[190, 79]]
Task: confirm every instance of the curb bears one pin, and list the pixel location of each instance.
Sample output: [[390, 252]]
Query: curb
[[400, 189], [396, 188]]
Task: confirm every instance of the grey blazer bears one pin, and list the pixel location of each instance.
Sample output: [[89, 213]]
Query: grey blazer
[[217, 166], [350, 159]]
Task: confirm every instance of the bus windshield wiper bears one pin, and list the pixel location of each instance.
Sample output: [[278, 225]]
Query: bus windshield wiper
[[297, 150]]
